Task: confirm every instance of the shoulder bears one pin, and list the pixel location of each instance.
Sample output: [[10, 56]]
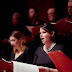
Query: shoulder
[[27, 50], [61, 20], [60, 25], [59, 47], [39, 49]]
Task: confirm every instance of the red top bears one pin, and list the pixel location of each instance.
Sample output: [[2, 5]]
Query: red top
[[64, 25]]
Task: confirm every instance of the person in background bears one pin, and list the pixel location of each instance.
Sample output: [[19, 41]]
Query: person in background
[[20, 51], [16, 23], [52, 15], [33, 17], [33, 22], [33, 25], [64, 28], [48, 35]]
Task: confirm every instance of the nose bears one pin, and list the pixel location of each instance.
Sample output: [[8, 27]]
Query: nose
[[40, 35], [11, 43]]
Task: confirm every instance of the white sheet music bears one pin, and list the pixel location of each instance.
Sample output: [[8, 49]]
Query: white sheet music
[[23, 67]]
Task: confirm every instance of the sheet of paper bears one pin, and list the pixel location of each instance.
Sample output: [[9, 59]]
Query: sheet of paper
[[23, 67]]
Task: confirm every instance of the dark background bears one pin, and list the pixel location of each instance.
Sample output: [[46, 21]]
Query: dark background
[[7, 8]]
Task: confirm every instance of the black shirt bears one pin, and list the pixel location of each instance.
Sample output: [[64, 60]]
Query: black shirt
[[42, 59], [22, 58]]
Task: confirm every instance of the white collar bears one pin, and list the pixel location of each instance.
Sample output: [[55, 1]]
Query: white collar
[[51, 47], [68, 21]]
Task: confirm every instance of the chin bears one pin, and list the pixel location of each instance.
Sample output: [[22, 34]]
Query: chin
[[43, 42]]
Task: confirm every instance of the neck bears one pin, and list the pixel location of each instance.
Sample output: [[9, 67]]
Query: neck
[[17, 49], [47, 48], [17, 54], [48, 45]]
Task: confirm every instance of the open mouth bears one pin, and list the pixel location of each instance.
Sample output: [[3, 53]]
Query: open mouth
[[42, 39]]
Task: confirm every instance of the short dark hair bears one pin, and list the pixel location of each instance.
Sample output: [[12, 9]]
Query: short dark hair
[[49, 28]]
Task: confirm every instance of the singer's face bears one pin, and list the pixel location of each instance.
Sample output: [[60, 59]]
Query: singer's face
[[45, 36], [14, 41]]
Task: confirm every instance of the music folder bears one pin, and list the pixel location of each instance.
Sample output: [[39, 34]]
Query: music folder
[[34, 30], [17, 66], [6, 65], [61, 61]]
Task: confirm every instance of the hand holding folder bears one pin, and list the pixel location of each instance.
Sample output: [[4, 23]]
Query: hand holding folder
[[61, 61], [5, 65]]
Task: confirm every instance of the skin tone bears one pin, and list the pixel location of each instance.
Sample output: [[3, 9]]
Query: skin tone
[[16, 44], [16, 18], [46, 69], [32, 14], [46, 37], [51, 14], [70, 8]]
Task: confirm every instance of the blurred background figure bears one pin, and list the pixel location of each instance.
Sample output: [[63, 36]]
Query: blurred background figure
[[33, 23], [69, 6], [18, 24], [52, 15], [20, 51], [33, 17], [64, 28], [16, 18]]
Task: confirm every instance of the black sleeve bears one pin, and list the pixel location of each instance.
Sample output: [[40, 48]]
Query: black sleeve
[[35, 57], [12, 56], [27, 56]]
